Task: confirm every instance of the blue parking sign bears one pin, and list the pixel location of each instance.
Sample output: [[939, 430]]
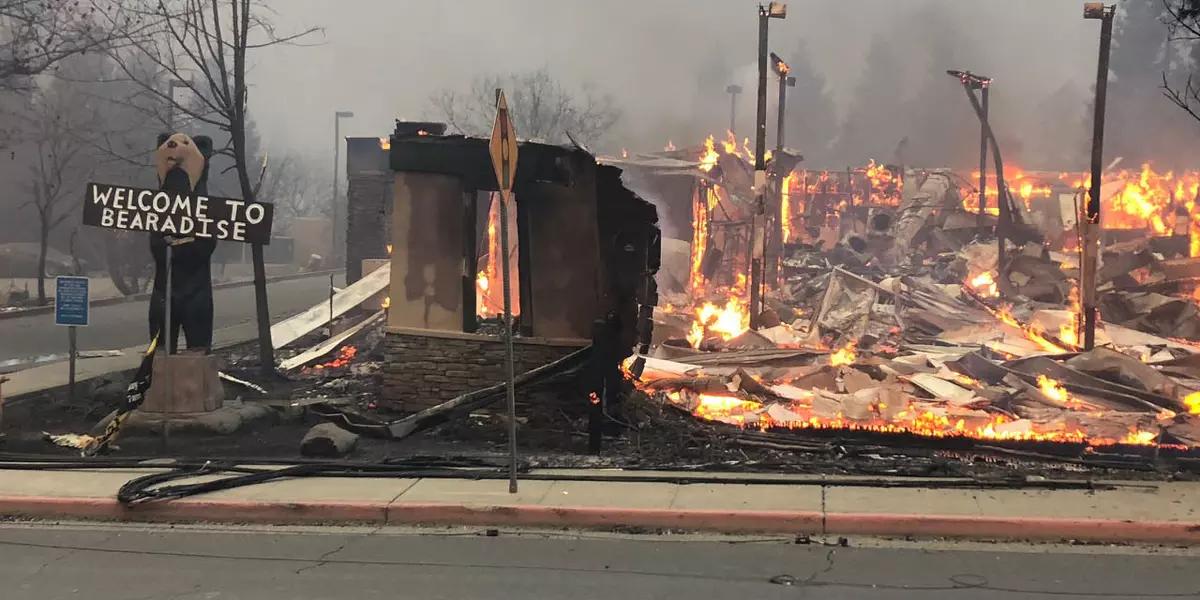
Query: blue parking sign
[[71, 301]]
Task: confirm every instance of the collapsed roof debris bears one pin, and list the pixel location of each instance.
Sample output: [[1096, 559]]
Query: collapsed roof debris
[[894, 317]]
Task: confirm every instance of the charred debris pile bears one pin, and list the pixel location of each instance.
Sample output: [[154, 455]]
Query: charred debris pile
[[889, 319]]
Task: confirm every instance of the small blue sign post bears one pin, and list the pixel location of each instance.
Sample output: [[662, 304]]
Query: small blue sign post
[[71, 309], [71, 301]]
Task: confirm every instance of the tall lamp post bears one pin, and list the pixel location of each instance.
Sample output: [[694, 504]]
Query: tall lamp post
[[733, 89], [1090, 246], [337, 149], [774, 10]]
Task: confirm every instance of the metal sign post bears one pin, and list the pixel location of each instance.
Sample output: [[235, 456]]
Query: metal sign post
[[165, 334], [71, 309], [503, 148]]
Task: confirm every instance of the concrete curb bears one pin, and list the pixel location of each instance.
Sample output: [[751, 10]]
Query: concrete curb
[[715, 521], [49, 308]]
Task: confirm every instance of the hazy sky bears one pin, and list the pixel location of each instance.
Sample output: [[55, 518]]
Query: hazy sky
[[383, 58]]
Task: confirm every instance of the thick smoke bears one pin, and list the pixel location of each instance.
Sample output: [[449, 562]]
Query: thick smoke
[[872, 72]]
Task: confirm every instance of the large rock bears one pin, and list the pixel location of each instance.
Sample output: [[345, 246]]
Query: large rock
[[328, 441]]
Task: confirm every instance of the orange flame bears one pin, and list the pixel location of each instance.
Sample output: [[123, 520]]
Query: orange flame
[[1033, 334], [1055, 391], [730, 144], [1193, 221], [785, 206], [1192, 402], [702, 209], [727, 322], [743, 412], [984, 284], [344, 356], [1140, 438], [708, 160], [489, 299], [844, 356], [385, 143], [1069, 332]]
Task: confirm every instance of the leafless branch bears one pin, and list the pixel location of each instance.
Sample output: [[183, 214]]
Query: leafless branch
[[541, 106]]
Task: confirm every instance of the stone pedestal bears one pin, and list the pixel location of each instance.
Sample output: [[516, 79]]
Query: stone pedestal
[[194, 380]]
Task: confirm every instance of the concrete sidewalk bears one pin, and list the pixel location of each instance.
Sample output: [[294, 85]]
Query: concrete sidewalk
[[1141, 512]]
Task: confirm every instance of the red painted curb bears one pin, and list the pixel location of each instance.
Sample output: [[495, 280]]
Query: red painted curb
[[717, 521]]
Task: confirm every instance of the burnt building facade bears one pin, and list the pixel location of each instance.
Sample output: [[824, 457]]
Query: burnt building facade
[[588, 249], [368, 207]]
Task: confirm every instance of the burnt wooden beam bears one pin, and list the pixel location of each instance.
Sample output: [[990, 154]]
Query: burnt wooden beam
[[524, 270], [470, 254]]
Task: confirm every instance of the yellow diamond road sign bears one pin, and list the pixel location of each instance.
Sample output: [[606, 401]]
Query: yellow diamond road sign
[[503, 146]]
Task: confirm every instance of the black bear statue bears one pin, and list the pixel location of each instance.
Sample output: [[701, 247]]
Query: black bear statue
[[182, 166]]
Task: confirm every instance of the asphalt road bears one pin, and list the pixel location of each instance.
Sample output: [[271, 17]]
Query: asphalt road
[[46, 562], [124, 325]]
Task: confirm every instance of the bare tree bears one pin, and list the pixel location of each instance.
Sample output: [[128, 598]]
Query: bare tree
[[35, 35], [58, 118], [295, 187], [202, 45], [541, 107], [120, 143], [1183, 24]]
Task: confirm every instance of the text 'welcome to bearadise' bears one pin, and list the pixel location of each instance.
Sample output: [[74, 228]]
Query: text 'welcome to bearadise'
[[137, 209]]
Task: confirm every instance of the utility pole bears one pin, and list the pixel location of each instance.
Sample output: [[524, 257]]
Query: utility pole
[[777, 216], [774, 10], [733, 89], [983, 149], [337, 149], [781, 69], [972, 82], [1089, 248]]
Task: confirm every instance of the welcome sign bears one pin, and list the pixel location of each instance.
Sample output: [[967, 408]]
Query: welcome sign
[[181, 215]]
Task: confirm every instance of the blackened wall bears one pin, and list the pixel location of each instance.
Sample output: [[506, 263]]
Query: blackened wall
[[368, 203]]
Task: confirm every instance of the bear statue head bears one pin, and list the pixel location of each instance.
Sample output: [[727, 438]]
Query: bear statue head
[[182, 162]]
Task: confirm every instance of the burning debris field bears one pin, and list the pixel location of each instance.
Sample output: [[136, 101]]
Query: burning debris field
[[891, 309], [878, 319]]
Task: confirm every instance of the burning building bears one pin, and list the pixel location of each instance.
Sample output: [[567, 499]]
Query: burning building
[[893, 316]]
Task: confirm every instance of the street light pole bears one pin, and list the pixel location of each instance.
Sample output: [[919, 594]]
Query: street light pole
[[733, 89], [1089, 249], [774, 10], [337, 148]]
